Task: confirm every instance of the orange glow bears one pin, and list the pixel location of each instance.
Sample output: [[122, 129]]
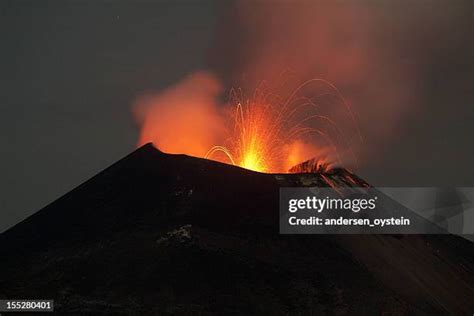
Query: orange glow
[[185, 118], [269, 133], [265, 132]]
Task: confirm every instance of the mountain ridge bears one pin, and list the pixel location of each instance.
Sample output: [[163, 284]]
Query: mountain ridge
[[160, 233]]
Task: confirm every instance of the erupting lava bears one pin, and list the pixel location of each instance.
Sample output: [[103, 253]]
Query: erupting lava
[[265, 132], [255, 140], [271, 134]]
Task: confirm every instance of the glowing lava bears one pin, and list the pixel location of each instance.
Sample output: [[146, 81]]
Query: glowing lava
[[252, 161], [271, 134], [265, 132]]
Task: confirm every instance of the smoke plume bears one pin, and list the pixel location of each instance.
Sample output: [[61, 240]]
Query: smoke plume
[[372, 52], [185, 118]]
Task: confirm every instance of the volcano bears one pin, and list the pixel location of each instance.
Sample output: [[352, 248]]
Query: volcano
[[171, 234]]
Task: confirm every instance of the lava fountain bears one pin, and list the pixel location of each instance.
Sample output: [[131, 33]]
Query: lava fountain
[[265, 132], [272, 134]]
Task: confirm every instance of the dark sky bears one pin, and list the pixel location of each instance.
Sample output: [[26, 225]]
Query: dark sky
[[70, 71]]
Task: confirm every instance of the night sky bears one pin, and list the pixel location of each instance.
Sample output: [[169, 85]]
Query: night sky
[[70, 71]]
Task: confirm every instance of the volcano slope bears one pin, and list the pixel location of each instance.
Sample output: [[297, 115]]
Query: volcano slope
[[171, 234]]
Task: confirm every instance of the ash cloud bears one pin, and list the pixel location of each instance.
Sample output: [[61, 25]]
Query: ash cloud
[[379, 54], [375, 52], [184, 118]]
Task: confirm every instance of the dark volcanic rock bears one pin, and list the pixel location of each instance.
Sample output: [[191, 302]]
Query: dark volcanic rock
[[172, 234]]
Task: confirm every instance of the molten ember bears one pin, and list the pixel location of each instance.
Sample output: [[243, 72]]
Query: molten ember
[[269, 133], [264, 132]]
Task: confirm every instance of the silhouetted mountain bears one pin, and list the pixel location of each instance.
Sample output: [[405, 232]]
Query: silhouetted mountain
[[172, 234]]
